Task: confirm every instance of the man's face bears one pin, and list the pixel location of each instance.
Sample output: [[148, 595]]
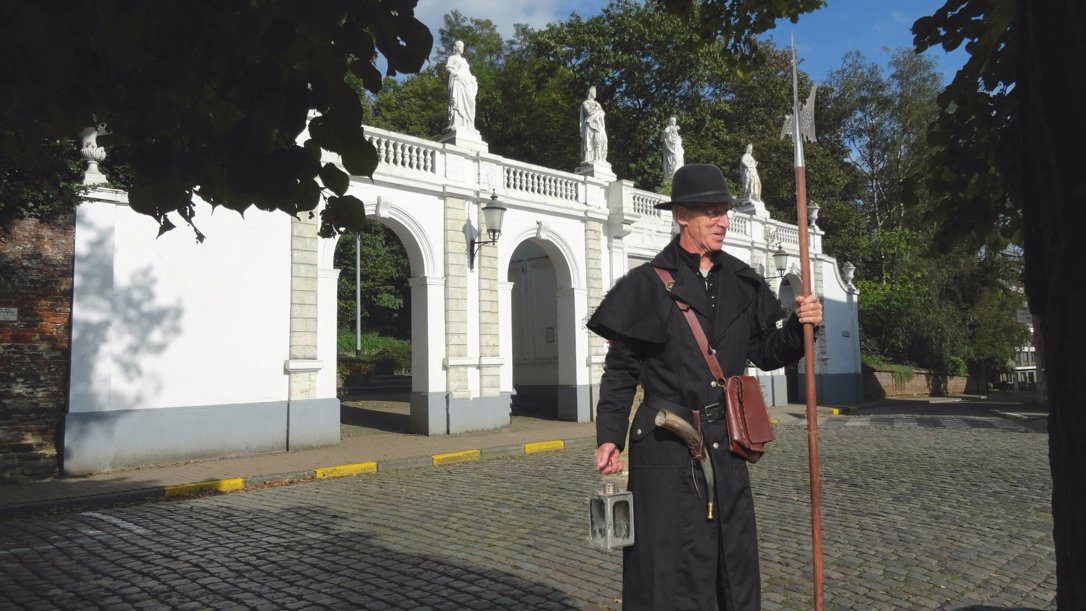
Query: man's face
[[702, 227]]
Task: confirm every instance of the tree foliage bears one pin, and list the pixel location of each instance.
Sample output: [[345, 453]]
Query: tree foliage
[[385, 295], [971, 139], [883, 128], [201, 99], [942, 309]]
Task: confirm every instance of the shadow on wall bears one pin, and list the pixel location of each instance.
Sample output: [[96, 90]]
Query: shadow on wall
[[116, 325]]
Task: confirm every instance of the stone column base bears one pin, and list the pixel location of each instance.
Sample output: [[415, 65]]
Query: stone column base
[[464, 137], [752, 206], [596, 169]]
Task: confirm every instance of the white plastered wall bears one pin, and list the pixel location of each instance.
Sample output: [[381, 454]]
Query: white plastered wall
[[168, 322]]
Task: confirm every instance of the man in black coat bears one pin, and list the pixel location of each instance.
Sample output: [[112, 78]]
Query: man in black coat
[[681, 559]]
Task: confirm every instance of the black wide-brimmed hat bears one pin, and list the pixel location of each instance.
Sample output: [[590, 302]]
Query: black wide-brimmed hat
[[698, 184]]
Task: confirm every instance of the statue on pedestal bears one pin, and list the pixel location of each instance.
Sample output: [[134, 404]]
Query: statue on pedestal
[[462, 89], [673, 148], [593, 130], [748, 176]]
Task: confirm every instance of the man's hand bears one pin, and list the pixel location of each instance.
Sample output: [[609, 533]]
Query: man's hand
[[808, 310], [608, 460]]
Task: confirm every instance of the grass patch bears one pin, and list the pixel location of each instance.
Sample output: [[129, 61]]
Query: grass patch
[[379, 355], [900, 373]]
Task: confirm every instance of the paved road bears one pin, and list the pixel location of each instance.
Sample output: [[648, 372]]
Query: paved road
[[921, 512]]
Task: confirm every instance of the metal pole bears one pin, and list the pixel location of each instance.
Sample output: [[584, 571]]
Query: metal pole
[[808, 333], [357, 296]]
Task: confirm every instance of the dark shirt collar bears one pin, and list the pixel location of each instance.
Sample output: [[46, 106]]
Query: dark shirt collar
[[693, 260]]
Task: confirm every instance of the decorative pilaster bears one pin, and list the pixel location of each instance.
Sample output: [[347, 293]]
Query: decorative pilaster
[[303, 365], [489, 339], [597, 347], [456, 296]]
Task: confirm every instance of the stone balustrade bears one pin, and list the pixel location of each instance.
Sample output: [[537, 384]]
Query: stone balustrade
[[395, 151], [536, 181]]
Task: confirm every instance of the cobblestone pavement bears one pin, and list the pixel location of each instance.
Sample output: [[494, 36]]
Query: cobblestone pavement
[[919, 513]]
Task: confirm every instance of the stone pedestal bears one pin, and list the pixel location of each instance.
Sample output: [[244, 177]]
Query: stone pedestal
[[596, 169], [93, 176], [464, 137], [752, 206]]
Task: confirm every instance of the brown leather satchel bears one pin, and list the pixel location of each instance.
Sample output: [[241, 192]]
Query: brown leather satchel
[[749, 428]]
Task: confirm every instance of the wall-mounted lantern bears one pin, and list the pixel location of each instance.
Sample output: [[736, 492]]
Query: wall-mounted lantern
[[493, 215], [780, 260]]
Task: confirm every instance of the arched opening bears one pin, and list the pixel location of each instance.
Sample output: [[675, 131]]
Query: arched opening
[[375, 365], [535, 333], [787, 296]]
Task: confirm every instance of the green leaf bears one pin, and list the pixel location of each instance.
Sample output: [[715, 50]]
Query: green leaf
[[342, 214], [334, 178], [360, 161]]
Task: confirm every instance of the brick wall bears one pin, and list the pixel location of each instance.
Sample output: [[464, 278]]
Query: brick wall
[[35, 282], [879, 384]]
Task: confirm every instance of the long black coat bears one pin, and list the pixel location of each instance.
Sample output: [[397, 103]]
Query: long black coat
[[680, 559]]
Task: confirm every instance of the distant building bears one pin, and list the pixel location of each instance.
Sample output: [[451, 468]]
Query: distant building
[[1024, 362]]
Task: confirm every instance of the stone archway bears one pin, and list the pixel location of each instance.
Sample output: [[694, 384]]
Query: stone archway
[[544, 329], [425, 295], [791, 286]]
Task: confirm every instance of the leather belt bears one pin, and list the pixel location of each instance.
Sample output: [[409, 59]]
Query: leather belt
[[712, 413]]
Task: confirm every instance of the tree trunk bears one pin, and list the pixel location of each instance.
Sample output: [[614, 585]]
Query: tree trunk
[[1051, 135]]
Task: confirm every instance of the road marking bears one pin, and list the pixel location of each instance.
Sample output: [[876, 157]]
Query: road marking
[[119, 523], [215, 485], [544, 446], [451, 458], [345, 470]]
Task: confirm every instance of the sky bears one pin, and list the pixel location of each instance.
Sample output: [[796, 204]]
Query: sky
[[822, 37]]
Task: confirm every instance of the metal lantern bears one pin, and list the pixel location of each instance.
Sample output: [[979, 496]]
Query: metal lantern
[[780, 260], [611, 518]]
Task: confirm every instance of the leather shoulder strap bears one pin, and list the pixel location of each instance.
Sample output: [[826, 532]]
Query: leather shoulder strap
[[695, 326]]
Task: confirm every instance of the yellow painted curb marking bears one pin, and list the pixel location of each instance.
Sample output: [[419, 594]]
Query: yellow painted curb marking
[[544, 446], [450, 458], [345, 470], [215, 485]]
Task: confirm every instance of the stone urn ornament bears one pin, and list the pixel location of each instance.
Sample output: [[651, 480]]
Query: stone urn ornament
[[91, 151]]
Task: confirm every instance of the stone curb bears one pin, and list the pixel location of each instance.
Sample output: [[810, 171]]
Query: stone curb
[[238, 484]]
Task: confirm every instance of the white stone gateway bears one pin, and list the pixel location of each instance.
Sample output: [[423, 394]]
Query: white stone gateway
[[184, 351]]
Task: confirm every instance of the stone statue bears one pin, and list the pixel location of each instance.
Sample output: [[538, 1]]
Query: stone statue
[[462, 89], [673, 148], [748, 176], [593, 130]]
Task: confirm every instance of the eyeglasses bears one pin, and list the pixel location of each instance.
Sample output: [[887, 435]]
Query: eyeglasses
[[715, 213]]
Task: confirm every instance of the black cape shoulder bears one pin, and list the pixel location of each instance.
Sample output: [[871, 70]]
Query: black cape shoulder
[[634, 309]]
